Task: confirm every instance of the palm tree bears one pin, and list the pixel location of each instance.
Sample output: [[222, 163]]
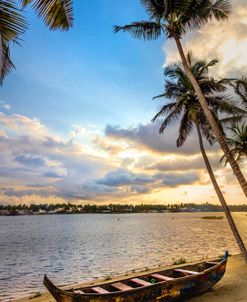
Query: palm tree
[[57, 14], [173, 19], [185, 105]]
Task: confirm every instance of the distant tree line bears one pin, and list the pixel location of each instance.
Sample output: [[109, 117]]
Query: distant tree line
[[61, 208]]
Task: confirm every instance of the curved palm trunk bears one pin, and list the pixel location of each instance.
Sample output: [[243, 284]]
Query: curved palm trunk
[[221, 197], [211, 120]]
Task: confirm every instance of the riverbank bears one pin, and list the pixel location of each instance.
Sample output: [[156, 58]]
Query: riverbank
[[232, 288]]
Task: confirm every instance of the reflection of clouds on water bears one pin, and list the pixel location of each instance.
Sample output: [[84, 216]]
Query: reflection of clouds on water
[[72, 248]]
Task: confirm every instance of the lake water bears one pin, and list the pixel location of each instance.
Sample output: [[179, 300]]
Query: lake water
[[72, 248]]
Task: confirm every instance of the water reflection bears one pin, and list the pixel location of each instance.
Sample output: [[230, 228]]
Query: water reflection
[[72, 248]]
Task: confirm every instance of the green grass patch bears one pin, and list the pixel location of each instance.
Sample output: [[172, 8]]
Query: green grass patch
[[178, 261]]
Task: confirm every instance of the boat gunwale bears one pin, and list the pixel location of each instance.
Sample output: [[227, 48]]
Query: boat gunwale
[[72, 294]]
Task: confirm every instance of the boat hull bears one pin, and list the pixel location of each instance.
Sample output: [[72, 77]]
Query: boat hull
[[167, 291]]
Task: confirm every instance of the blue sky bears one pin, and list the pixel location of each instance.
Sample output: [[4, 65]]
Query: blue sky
[[89, 74], [75, 114]]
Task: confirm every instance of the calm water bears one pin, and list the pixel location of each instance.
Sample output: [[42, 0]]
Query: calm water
[[72, 248]]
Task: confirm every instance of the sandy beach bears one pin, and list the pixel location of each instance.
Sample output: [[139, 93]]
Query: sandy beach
[[232, 288]]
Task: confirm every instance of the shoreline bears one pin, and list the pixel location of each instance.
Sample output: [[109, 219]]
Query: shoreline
[[117, 213], [232, 288]]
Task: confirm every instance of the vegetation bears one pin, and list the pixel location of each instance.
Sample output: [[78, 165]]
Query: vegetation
[[13, 24], [173, 19], [237, 134], [240, 88], [238, 143], [108, 277], [178, 261], [186, 106], [115, 208]]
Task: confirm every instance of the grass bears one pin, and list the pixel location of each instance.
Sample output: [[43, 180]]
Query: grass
[[212, 217], [108, 277], [178, 261]]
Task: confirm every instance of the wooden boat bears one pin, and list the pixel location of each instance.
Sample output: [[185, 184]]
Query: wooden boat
[[164, 285]]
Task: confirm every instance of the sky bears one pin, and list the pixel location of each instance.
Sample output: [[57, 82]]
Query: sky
[[75, 114]]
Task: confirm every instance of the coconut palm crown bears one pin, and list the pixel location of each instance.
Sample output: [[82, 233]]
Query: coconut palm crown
[[185, 101], [174, 18]]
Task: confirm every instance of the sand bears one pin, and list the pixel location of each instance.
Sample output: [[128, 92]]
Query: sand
[[232, 288]]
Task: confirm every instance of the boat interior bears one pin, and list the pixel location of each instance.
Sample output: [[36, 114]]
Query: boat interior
[[146, 279]]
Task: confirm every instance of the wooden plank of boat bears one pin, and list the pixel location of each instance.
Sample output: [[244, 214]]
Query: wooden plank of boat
[[162, 277], [211, 262], [77, 291], [121, 286], [100, 290], [186, 272], [141, 282]]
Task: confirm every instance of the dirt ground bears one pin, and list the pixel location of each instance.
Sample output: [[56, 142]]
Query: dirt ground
[[232, 288]]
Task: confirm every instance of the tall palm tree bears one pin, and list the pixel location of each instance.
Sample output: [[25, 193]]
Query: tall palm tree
[[57, 14], [185, 105], [172, 19]]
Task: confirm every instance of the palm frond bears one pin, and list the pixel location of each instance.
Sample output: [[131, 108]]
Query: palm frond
[[156, 9], [240, 89], [25, 3], [171, 117], [12, 22], [6, 65], [164, 110], [185, 128], [12, 25], [163, 95], [205, 128], [220, 9], [224, 104], [142, 30], [201, 12], [238, 144], [57, 14], [232, 120]]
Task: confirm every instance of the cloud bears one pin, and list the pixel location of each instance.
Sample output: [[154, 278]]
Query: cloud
[[123, 177], [127, 181], [52, 175], [174, 180], [30, 160], [183, 163], [148, 136], [22, 125], [226, 41], [10, 192], [31, 155], [4, 105], [135, 162]]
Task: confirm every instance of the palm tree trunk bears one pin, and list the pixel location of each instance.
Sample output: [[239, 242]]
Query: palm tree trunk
[[221, 197], [211, 120]]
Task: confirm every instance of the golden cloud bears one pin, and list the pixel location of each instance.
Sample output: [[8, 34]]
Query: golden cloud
[[226, 41]]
